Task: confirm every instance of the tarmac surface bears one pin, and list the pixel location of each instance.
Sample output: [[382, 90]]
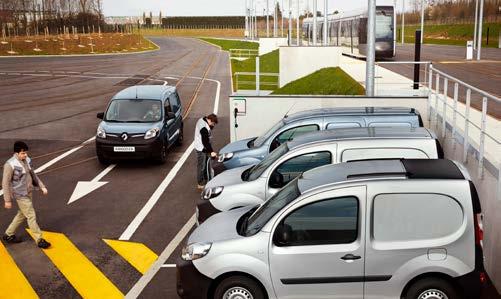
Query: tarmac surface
[[51, 103], [484, 74]]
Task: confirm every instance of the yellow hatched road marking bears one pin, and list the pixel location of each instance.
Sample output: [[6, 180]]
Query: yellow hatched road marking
[[86, 278], [13, 283], [137, 254]]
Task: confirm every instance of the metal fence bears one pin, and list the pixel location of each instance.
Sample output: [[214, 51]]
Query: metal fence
[[243, 53], [247, 81], [440, 96]]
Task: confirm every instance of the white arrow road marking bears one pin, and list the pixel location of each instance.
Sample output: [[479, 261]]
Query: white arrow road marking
[[84, 188]]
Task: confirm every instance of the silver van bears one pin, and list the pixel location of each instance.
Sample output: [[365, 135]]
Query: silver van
[[367, 229], [251, 185], [252, 150]]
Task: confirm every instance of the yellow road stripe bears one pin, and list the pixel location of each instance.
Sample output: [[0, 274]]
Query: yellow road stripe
[[137, 254], [13, 283], [86, 278]]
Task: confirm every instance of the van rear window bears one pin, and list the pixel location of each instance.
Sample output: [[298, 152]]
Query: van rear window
[[415, 217]]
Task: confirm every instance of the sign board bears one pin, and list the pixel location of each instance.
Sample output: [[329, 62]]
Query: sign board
[[241, 105], [469, 50]]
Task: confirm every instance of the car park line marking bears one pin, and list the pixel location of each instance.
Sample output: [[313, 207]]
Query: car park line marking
[[80, 272], [59, 158], [12, 281], [164, 256], [168, 266], [83, 188], [136, 254]]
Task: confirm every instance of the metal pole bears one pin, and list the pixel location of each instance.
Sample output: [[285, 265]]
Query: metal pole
[[257, 75], [314, 22], [403, 21], [480, 25], [297, 24], [444, 111], [466, 125], [417, 59], [290, 22], [326, 23], [371, 45], [454, 116], [422, 20], [476, 26], [267, 18], [482, 139], [275, 24], [246, 19], [282, 14]]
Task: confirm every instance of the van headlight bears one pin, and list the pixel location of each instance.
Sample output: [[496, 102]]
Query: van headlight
[[100, 132], [212, 192], [224, 157], [195, 251], [152, 133]]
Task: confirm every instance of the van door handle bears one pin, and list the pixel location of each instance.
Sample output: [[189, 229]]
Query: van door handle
[[350, 258]]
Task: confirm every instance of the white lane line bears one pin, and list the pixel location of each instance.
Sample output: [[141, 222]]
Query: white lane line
[[148, 276], [133, 226], [157, 265], [59, 158], [168, 266]]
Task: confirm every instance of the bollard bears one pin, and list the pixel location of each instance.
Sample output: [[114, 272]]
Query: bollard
[[257, 75], [417, 58], [499, 40]]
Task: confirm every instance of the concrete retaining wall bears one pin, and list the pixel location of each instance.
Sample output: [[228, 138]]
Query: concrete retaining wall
[[270, 44]]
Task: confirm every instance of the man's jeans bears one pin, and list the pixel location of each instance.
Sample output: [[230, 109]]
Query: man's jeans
[[202, 168]]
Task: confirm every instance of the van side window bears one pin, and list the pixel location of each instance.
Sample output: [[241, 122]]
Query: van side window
[[294, 167], [420, 216], [291, 133], [174, 102], [332, 221]]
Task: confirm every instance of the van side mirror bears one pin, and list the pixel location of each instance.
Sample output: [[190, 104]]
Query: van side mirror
[[276, 180], [100, 115], [170, 115], [282, 235]]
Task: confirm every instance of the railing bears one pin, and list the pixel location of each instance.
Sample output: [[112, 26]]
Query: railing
[[426, 64], [243, 53], [247, 81], [443, 79]]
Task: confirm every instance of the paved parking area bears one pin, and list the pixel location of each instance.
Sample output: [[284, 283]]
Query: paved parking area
[[51, 103]]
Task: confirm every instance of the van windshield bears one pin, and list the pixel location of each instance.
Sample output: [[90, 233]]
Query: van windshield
[[134, 111], [262, 139], [256, 171], [276, 203]]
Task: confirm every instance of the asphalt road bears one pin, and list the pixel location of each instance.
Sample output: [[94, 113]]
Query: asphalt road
[[484, 74], [51, 103]]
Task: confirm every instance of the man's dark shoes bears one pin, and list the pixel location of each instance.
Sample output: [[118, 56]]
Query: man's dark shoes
[[12, 239], [43, 244]]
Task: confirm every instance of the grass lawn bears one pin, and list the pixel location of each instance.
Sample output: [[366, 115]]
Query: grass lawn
[[228, 44], [80, 44], [268, 63], [327, 81], [453, 34]]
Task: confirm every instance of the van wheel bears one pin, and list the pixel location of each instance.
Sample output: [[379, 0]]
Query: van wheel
[[432, 288], [162, 155], [180, 137], [236, 287]]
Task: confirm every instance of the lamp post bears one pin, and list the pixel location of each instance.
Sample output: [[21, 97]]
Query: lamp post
[[371, 41], [314, 22], [326, 23], [422, 20]]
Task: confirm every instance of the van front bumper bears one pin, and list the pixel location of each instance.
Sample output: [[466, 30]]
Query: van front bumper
[[191, 284], [144, 150]]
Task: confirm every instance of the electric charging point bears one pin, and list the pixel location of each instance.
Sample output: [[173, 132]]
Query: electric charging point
[[469, 50]]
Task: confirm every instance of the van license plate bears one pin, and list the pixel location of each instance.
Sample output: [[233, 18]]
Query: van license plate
[[124, 149]]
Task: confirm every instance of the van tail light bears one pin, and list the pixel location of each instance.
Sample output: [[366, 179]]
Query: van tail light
[[483, 277], [479, 230]]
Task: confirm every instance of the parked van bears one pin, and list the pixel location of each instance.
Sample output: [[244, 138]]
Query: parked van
[[252, 150], [142, 121], [367, 229], [251, 185]]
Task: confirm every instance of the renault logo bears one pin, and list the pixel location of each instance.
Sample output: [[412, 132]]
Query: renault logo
[[124, 136]]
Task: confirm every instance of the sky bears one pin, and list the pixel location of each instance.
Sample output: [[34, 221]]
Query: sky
[[215, 7]]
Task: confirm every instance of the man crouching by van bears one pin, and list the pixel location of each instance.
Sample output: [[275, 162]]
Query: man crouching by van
[[203, 147], [18, 182]]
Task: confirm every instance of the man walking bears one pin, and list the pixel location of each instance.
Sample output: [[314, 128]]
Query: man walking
[[203, 147], [19, 180]]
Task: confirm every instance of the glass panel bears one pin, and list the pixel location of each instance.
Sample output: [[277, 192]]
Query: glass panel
[[384, 25], [333, 221], [290, 134], [294, 167], [138, 111]]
